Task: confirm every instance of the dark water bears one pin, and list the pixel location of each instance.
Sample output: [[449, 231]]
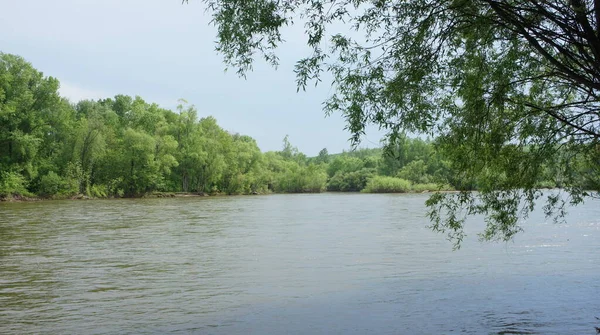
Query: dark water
[[288, 264]]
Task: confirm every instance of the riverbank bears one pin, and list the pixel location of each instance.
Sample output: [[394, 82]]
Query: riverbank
[[23, 198], [20, 198]]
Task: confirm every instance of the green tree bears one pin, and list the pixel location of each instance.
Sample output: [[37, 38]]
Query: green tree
[[27, 101], [298, 178], [288, 151], [89, 144], [415, 171], [243, 169], [344, 164], [394, 157], [139, 170], [323, 156], [217, 144], [190, 150], [503, 85]]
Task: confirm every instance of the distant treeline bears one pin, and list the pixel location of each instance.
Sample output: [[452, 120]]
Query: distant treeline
[[126, 147]]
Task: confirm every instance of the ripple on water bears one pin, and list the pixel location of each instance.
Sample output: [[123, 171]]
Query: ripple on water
[[295, 264]]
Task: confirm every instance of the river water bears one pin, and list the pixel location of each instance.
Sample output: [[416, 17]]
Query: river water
[[288, 264]]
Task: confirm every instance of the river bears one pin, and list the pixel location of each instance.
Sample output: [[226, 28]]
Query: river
[[288, 264]]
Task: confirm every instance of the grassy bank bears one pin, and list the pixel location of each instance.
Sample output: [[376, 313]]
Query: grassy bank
[[383, 184]]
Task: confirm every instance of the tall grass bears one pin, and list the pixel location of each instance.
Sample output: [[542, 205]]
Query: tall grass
[[383, 184]]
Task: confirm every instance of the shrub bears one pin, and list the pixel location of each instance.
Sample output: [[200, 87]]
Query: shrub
[[301, 179], [51, 184], [12, 183], [97, 191], [383, 184], [350, 181]]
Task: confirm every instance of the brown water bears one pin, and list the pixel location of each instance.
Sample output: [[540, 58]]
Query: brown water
[[294, 264]]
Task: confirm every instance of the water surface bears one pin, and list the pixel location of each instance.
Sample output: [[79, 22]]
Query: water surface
[[293, 264]]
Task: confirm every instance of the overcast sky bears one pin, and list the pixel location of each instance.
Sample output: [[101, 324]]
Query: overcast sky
[[162, 50]]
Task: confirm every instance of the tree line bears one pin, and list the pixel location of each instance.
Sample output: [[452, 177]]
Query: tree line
[[127, 147]]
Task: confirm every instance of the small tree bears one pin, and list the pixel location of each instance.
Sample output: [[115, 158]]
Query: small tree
[[323, 156]]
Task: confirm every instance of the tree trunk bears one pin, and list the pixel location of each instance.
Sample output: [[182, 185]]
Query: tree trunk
[[184, 182]]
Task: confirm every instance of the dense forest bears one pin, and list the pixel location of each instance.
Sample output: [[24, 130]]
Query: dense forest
[[126, 147]]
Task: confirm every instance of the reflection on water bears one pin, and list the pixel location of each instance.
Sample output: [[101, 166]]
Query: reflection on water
[[295, 264]]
